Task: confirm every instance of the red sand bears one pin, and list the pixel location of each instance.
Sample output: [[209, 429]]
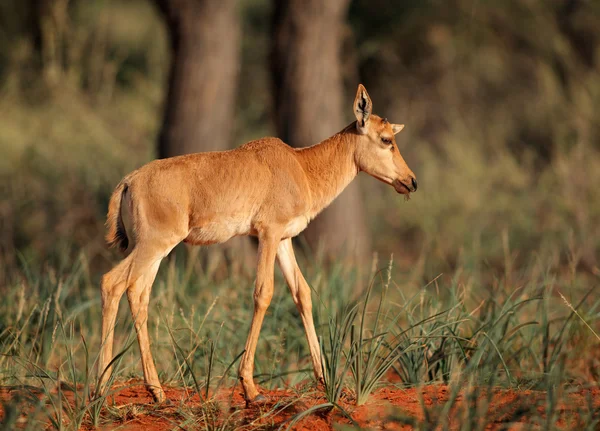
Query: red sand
[[131, 409]]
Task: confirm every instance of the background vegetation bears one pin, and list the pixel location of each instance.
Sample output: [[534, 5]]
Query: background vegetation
[[500, 102]]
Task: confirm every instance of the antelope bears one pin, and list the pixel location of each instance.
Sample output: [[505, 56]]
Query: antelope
[[264, 188]]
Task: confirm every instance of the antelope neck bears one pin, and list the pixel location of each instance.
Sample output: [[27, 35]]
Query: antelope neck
[[329, 167]]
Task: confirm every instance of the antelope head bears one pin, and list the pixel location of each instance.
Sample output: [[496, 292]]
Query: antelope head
[[376, 151]]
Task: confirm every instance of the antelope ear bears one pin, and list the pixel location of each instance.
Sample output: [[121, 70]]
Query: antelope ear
[[397, 127], [362, 108]]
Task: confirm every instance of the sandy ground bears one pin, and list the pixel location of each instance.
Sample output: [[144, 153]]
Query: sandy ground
[[388, 408]]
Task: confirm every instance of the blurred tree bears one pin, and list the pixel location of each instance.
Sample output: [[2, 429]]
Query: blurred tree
[[199, 110], [50, 34], [200, 103], [308, 88], [583, 40]]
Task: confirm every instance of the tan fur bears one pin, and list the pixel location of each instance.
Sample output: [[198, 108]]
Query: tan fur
[[264, 188], [114, 220]]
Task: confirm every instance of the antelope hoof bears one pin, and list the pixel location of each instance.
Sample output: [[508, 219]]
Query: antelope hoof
[[259, 399], [96, 394], [159, 396], [321, 383]]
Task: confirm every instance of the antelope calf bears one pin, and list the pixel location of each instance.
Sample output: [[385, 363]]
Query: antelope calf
[[264, 188]]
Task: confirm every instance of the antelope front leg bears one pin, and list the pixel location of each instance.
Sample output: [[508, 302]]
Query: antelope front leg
[[263, 292], [301, 294]]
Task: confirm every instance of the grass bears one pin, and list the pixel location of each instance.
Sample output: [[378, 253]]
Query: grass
[[445, 332], [494, 284]]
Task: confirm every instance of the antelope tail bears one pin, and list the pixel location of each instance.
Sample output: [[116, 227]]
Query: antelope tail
[[116, 234]]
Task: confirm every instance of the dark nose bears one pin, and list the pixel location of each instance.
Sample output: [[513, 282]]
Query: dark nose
[[414, 184]]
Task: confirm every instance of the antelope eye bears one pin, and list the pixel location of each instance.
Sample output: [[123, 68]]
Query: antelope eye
[[386, 140]]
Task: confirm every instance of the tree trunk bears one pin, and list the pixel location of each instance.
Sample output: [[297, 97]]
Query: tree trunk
[[200, 104], [199, 111], [50, 34], [308, 88]]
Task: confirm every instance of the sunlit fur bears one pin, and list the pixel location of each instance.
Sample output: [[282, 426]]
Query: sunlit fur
[[264, 188]]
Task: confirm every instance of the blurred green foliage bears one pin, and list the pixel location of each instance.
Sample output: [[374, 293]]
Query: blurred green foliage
[[499, 100]]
